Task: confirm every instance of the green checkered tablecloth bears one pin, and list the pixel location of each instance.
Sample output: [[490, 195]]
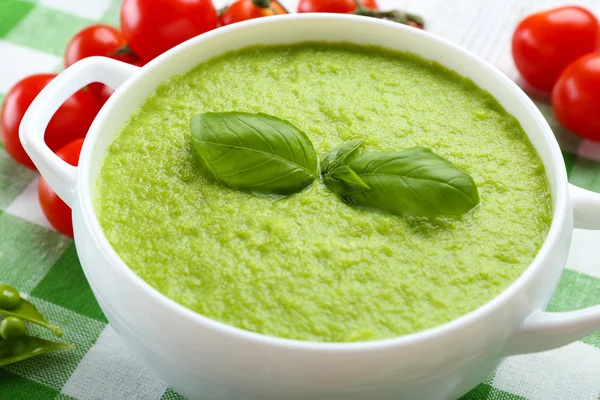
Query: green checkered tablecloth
[[44, 264]]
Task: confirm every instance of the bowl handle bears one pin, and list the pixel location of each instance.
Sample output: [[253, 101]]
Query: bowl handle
[[549, 330], [59, 174]]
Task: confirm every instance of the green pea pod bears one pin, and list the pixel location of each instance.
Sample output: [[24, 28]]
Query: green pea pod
[[15, 350], [28, 312]]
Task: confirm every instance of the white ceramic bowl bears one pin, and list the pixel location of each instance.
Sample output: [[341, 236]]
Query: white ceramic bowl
[[202, 358]]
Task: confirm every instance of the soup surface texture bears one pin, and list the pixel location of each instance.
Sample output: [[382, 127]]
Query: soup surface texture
[[309, 266]]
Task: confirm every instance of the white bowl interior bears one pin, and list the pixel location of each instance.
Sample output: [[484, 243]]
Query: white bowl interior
[[324, 27]]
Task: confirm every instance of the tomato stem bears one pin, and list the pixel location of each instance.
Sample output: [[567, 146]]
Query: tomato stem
[[390, 15], [262, 3], [269, 5], [123, 51]]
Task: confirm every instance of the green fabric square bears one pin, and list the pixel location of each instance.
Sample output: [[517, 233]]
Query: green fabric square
[[497, 394], [14, 178], [28, 252], [55, 369], [586, 174], [490, 379], [65, 285], [62, 396], [574, 292], [47, 30], [170, 394], [11, 12], [482, 391], [488, 392], [13, 387], [569, 160]]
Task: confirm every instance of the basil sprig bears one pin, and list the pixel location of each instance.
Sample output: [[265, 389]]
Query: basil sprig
[[255, 152], [336, 158], [412, 182], [263, 154]]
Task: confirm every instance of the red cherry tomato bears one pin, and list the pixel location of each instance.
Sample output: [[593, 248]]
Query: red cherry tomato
[[334, 6], [104, 94], [545, 43], [107, 91], [139, 62], [243, 10], [152, 27], [98, 40], [576, 97], [57, 211], [71, 121]]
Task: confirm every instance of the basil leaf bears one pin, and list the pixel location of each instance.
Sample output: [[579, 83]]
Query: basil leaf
[[412, 182], [255, 152], [344, 181], [339, 156]]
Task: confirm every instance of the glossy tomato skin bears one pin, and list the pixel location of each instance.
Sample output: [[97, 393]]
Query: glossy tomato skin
[[106, 91], [334, 6], [544, 43], [57, 211], [71, 121], [152, 27], [243, 10], [104, 94], [97, 40], [576, 97]]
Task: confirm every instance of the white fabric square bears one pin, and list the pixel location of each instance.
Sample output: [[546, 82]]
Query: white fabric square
[[27, 206], [571, 372], [83, 8], [18, 62], [109, 371]]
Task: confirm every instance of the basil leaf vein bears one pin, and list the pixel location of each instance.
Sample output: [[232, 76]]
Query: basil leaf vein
[[255, 152], [412, 182], [344, 181], [340, 155]]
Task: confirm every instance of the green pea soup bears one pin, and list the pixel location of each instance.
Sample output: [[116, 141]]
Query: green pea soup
[[309, 266]]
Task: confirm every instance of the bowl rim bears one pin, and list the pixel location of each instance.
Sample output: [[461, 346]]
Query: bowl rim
[[561, 204]]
